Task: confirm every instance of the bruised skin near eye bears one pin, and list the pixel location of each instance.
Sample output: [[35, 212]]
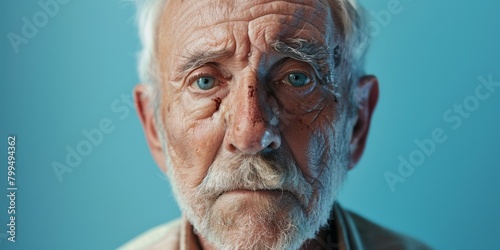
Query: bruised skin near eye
[[217, 101]]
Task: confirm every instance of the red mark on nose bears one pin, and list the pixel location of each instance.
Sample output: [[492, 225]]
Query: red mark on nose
[[257, 120], [251, 91]]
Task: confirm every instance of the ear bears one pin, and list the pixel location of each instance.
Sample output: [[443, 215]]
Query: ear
[[367, 95], [147, 116]]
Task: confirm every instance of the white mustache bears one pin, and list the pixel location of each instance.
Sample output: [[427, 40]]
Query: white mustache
[[255, 172]]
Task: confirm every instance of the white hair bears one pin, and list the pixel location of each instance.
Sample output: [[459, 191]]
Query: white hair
[[148, 16], [348, 16]]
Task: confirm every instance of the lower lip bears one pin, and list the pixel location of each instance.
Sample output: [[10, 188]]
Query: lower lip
[[281, 198], [275, 193]]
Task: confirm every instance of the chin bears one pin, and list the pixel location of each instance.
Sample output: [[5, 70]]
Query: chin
[[257, 220]]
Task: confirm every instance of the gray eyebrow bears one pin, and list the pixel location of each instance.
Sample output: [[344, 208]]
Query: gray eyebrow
[[304, 50], [199, 58]]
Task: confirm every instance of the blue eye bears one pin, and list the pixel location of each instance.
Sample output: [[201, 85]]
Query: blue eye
[[205, 82], [298, 79]]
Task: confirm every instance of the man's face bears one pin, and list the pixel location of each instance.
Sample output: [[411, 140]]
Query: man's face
[[258, 136]]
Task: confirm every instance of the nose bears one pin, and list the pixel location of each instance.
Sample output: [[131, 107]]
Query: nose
[[253, 125]]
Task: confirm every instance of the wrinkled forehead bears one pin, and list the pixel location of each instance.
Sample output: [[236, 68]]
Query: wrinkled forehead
[[185, 22]]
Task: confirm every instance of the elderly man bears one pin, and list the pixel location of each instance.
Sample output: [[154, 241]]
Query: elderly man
[[256, 110]]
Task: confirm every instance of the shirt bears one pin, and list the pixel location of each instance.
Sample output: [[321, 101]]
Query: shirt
[[346, 231]]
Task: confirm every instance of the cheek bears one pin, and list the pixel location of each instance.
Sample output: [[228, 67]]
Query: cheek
[[310, 134], [311, 145], [194, 135]]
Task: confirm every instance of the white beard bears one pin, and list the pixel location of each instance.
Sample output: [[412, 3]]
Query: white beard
[[262, 222]]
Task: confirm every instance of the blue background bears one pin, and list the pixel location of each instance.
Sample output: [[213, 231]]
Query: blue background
[[67, 78]]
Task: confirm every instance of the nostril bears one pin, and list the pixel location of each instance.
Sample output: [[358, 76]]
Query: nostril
[[231, 148], [271, 141], [274, 145], [267, 150]]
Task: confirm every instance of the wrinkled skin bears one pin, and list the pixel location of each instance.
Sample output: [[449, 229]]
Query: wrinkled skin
[[252, 108]]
